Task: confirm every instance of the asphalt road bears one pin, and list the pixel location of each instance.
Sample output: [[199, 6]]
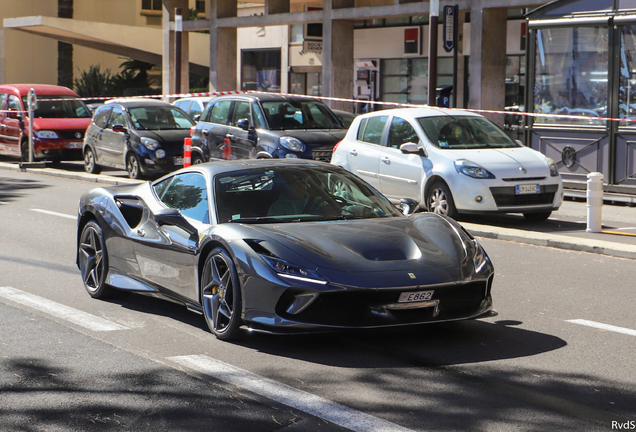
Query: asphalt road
[[72, 363]]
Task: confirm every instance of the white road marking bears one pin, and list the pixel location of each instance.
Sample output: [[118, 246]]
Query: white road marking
[[84, 319], [54, 213], [601, 326], [315, 405], [2, 202]]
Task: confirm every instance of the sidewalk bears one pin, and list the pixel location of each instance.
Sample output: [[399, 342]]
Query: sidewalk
[[564, 230]]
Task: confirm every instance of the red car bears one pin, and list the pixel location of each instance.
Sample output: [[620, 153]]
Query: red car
[[59, 122]]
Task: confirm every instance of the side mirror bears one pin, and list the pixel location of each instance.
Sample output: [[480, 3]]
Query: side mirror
[[120, 128], [197, 118], [412, 148], [408, 206], [173, 217], [519, 142], [243, 124]]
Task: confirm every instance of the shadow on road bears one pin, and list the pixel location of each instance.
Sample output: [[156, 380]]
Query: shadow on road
[[11, 189]]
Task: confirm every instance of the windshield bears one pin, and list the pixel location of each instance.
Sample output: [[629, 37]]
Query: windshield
[[159, 118], [295, 194], [60, 107], [294, 114], [449, 132]]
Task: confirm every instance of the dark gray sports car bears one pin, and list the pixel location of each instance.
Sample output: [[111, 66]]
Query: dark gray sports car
[[282, 246]]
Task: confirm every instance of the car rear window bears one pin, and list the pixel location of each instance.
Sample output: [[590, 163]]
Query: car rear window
[[59, 106]]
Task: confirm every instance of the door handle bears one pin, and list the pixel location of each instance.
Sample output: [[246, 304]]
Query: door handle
[[230, 136], [205, 132], [386, 160], [353, 153]]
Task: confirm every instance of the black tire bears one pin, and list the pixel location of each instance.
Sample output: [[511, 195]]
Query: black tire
[[133, 166], [93, 261], [440, 200], [221, 295], [197, 159], [24, 151], [537, 217], [90, 163]]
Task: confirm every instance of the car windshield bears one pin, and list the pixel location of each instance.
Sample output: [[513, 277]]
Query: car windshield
[[159, 118], [59, 106], [296, 194], [456, 132], [294, 114]]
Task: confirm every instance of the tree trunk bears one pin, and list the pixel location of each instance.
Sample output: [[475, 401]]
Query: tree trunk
[[65, 50]]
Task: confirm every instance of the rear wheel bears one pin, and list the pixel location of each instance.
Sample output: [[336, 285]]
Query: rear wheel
[[221, 295], [440, 200], [133, 166], [93, 260], [197, 159], [89, 162], [537, 217]]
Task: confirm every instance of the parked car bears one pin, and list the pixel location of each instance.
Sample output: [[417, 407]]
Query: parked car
[[59, 122], [143, 136], [451, 161], [265, 125], [193, 106], [345, 117], [266, 244]]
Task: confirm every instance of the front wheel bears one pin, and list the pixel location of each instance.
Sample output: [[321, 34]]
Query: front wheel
[[221, 295], [537, 217], [24, 151], [132, 166], [440, 200], [93, 260]]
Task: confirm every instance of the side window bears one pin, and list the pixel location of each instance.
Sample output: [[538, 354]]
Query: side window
[[373, 131], [188, 193], [259, 117], [195, 109], [116, 117], [14, 103], [3, 100], [401, 132], [101, 116], [363, 124], [241, 111], [219, 112]]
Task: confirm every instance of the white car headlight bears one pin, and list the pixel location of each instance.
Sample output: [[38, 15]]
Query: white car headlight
[[480, 258], [290, 271], [473, 170], [46, 134], [291, 143], [554, 171], [150, 143]]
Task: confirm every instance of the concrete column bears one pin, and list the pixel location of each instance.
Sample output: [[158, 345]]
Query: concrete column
[[337, 55], [276, 6], [168, 59], [488, 59], [459, 91], [223, 47]]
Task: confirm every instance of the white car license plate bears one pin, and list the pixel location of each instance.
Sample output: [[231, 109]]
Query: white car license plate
[[75, 144], [178, 161], [528, 189], [407, 297]]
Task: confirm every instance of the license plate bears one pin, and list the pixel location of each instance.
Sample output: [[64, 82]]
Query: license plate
[[407, 297], [75, 144], [178, 161], [528, 189]]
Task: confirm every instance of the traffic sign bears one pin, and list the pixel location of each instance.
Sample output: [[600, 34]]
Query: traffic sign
[[449, 28]]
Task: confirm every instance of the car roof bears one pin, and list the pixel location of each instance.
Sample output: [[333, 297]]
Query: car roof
[[425, 111], [137, 102], [267, 97], [45, 89]]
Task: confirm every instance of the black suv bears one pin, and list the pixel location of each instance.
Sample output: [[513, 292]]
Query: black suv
[[266, 125], [145, 137]]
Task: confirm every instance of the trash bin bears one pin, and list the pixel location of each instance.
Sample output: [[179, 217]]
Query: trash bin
[[444, 95]]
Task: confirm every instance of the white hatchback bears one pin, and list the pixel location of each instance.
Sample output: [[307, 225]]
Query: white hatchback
[[450, 162]]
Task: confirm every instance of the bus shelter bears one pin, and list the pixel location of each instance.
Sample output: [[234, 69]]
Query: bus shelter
[[582, 89]]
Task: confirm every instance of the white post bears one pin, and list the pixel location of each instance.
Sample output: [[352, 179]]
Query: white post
[[594, 201]]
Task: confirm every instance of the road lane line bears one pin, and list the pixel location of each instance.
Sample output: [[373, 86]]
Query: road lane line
[[315, 405], [76, 316], [603, 326], [54, 213], [2, 202]]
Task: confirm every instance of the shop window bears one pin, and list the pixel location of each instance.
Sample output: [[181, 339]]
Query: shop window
[[260, 70], [406, 80], [151, 5], [571, 74], [627, 79]]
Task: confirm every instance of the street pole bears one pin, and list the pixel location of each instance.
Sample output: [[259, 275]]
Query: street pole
[[31, 104], [178, 28], [432, 52]]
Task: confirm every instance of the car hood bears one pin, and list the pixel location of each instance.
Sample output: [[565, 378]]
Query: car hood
[[171, 137], [507, 162], [392, 251], [316, 137], [73, 124]]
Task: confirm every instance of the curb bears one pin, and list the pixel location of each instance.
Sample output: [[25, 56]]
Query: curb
[[554, 240], [53, 172]]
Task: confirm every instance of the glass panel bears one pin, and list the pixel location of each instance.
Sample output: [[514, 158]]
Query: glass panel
[[445, 66], [582, 6], [188, 193], [374, 129], [219, 112], [463, 132], [296, 33], [571, 74], [418, 83], [260, 70], [241, 111], [314, 83], [627, 80], [401, 132], [394, 84], [400, 98], [419, 20], [297, 84], [627, 4], [117, 118], [399, 21], [395, 67]]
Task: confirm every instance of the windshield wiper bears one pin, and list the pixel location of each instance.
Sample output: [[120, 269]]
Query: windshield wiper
[[257, 220]]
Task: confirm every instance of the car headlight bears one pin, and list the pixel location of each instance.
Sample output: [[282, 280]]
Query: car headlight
[[291, 143], [554, 171], [46, 134], [480, 258], [473, 170], [150, 143], [290, 271]]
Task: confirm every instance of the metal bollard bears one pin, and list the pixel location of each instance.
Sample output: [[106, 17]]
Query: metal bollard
[[187, 152], [594, 201]]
